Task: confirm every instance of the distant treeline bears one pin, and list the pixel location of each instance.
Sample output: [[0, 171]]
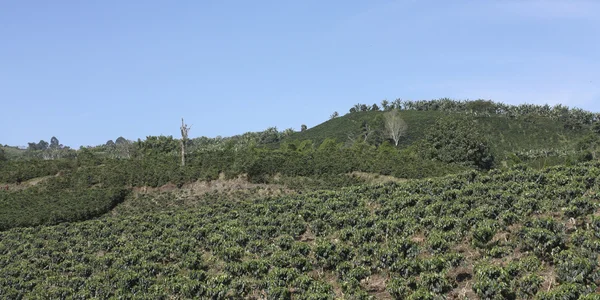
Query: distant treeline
[[573, 116]]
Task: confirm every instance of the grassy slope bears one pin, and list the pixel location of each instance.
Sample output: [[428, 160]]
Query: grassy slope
[[340, 127], [506, 135]]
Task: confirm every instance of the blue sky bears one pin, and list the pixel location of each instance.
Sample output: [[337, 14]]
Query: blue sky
[[90, 71]]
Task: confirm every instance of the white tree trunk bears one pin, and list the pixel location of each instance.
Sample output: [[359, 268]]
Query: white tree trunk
[[395, 127]]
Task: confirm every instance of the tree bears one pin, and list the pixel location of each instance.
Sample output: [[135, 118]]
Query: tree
[[2, 155], [157, 145], [269, 136], [303, 127], [457, 140], [385, 104], [366, 131], [53, 151], [54, 144], [374, 107], [110, 144], [123, 147], [121, 140], [334, 115], [42, 145], [397, 104], [32, 146], [395, 127], [184, 137]]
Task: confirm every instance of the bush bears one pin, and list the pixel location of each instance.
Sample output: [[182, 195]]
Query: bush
[[577, 266], [454, 140], [492, 282]]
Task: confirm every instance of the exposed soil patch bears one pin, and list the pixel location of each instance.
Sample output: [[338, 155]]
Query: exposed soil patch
[[307, 236], [500, 237], [464, 277], [168, 187], [376, 178], [190, 195], [418, 238], [221, 185], [549, 275], [376, 286], [25, 184], [461, 277]]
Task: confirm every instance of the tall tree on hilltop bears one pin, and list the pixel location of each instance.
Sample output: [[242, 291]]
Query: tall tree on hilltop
[[385, 104], [54, 149], [121, 140], [184, 136], [123, 147], [54, 143], [42, 145]]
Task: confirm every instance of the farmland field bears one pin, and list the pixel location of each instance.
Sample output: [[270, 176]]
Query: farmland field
[[515, 234]]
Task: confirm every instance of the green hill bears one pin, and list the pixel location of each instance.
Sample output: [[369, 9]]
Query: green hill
[[309, 215], [505, 135]]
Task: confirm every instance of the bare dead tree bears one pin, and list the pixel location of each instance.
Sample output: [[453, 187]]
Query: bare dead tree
[[351, 138], [184, 136], [395, 127], [367, 131]]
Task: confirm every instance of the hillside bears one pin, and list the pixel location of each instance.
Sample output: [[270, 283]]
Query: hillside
[[517, 234], [465, 207], [506, 135]]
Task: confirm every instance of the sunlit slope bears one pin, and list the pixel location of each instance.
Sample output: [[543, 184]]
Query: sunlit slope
[[505, 134], [504, 235]]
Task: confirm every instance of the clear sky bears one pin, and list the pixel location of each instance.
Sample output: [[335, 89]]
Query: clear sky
[[90, 71]]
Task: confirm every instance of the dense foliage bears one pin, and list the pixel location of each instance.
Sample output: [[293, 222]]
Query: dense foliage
[[39, 206], [156, 168], [82, 224], [573, 117], [532, 137], [17, 171], [514, 234], [458, 141]]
